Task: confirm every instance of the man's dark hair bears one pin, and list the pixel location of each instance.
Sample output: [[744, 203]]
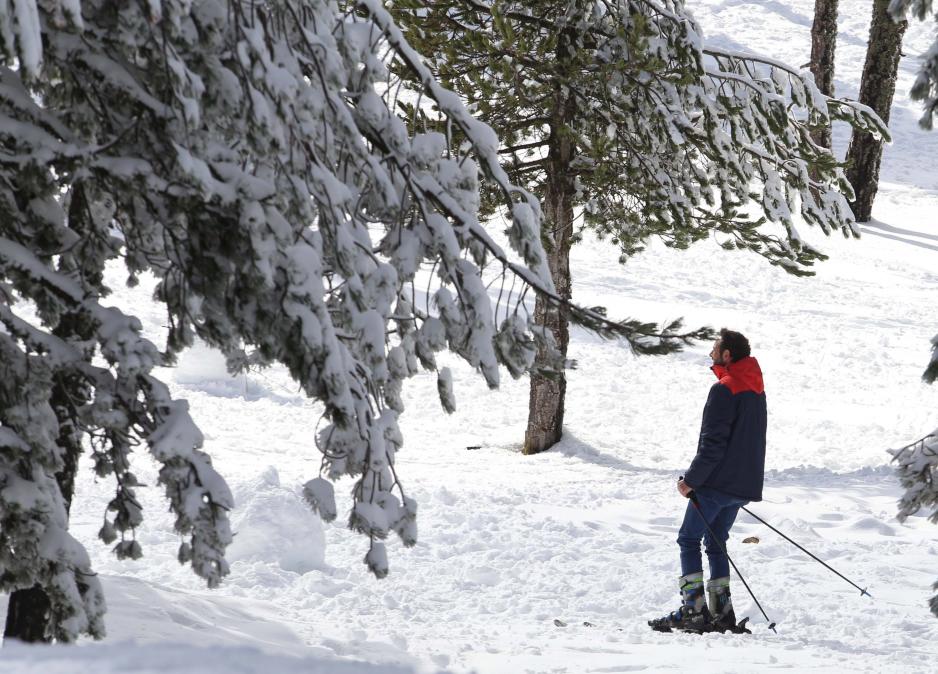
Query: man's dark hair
[[734, 341]]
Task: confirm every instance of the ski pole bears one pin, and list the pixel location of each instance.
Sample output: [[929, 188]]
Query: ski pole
[[821, 561], [693, 498]]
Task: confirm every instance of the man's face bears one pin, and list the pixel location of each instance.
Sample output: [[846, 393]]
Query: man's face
[[716, 355]]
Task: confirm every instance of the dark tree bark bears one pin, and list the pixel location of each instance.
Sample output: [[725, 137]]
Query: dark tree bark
[[547, 398], [28, 610], [27, 615], [548, 393], [876, 90], [823, 44]]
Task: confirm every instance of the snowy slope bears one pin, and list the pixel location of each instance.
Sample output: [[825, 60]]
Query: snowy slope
[[586, 532]]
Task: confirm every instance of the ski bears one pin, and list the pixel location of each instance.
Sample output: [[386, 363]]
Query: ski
[[739, 628]]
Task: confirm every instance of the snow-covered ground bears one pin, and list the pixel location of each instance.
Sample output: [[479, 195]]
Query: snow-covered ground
[[586, 531]]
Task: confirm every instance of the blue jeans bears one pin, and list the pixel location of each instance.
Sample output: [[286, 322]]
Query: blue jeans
[[720, 511]]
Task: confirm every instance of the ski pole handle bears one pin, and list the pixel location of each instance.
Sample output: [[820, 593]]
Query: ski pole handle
[[691, 494]]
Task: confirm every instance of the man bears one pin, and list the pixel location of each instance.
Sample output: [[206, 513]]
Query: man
[[727, 473]]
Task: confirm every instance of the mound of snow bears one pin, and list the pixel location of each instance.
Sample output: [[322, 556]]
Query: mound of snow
[[171, 658], [273, 524], [200, 364], [148, 612]]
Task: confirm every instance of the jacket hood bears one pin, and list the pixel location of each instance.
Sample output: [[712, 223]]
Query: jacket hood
[[743, 375]]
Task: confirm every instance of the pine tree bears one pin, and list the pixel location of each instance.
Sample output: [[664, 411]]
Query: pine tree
[[918, 462], [925, 88], [917, 468], [877, 87], [247, 155], [619, 113]]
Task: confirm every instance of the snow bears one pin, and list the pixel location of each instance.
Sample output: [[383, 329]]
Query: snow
[[157, 630], [585, 532], [275, 527]]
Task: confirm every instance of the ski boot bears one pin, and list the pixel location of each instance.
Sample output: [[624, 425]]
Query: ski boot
[[693, 614], [721, 607]]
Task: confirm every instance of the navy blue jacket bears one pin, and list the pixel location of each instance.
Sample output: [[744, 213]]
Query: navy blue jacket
[[731, 450]]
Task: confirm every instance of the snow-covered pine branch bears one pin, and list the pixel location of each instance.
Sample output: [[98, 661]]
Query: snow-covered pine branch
[[51, 391], [247, 155], [673, 137], [931, 372], [917, 468]]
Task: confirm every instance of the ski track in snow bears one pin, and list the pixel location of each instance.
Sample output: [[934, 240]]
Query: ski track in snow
[[585, 532]]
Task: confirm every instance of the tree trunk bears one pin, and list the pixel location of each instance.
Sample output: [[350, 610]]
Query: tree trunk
[[876, 90], [27, 615], [546, 402], [28, 610], [823, 44]]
